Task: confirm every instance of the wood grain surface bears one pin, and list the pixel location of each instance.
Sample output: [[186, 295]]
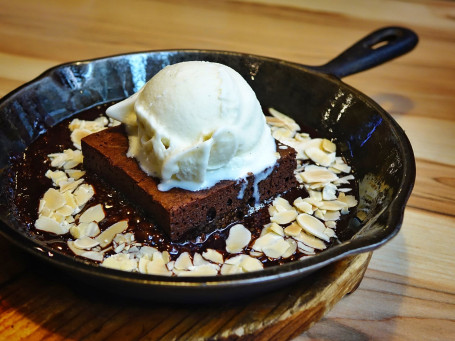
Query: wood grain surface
[[408, 291]]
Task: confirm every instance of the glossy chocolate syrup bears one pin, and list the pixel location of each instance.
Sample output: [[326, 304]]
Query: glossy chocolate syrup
[[28, 184]]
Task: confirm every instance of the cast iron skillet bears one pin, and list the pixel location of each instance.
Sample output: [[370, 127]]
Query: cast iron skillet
[[375, 145]]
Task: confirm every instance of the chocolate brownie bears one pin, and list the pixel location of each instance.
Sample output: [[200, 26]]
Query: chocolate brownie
[[180, 212]]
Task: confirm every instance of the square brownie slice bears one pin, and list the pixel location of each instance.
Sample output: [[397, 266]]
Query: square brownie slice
[[179, 212]]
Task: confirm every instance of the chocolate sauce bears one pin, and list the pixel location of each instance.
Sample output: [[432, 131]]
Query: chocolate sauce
[[28, 184]]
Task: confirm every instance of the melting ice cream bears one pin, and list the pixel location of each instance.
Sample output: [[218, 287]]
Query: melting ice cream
[[194, 124]]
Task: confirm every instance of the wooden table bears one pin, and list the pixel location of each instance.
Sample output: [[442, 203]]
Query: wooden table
[[409, 288]]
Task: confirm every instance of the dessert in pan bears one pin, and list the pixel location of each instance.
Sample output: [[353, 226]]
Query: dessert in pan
[[187, 177], [70, 210]]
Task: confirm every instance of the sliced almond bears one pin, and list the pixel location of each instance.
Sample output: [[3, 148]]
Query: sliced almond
[[157, 266], [74, 158], [329, 232], [51, 225], [85, 243], [280, 208], [46, 212], [126, 238], [70, 184], [230, 269], [279, 201], [272, 228], [333, 205], [42, 205], [277, 249], [106, 237], [239, 237], [77, 135], [58, 159], [303, 206], [236, 260], [250, 264], [331, 216], [132, 249], [74, 249], [319, 214], [312, 225], [255, 253], [320, 175], [344, 190], [331, 224], [313, 202], [170, 265], [83, 194], [183, 262], [166, 256], [266, 240], [284, 217], [272, 210], [61, 219], [316, 195], [120, 248], [68, 159], [312, 143], [292, 248], [311, 241], [305, 248], [344, 210], [76, 174], [213, 256], [334, 170], [147, 252], [348, 200], [120, 261], [341, 165], [329, 192], [93, 255], [316, 186], [94, 213], [293, 229], [85, 230], [71, 201], [287, 121], [281, 134], [56, 176], [328, 146], [53, 199], [75, 124], [302, 136], [201, 270], [199, 260], [241, 263], [101, 121], [65, 210], [320, 157], [344, 180], [113, 122]]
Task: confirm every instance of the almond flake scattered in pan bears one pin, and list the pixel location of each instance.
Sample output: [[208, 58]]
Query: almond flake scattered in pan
[[305, 225]]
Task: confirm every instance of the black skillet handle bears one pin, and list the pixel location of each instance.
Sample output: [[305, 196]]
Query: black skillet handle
[[376, 48]]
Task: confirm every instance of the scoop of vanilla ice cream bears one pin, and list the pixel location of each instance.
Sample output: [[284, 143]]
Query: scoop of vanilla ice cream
[[194, 124]]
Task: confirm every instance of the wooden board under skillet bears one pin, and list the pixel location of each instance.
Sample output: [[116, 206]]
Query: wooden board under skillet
[[38, 305]]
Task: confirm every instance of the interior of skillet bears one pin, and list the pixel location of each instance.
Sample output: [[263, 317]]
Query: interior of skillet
[[361, 130]]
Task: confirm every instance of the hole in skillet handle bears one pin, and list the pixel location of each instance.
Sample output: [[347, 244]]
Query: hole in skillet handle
[[377, 48]]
